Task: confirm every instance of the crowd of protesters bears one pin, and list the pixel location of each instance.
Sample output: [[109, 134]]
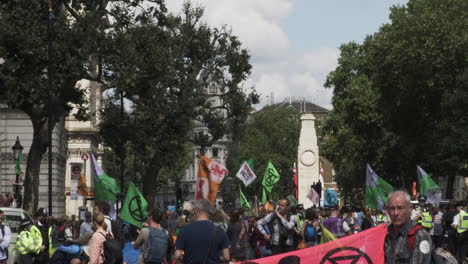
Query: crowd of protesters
[[215, 234]]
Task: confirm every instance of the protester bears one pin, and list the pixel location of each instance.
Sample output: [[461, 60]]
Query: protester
[[337, 225], [437, 231], [283, 228], [201, 240], [129, 253], [406, 242], [5, 238], [450, 231], [102, 207], [70, 253], [87, 225], [235, 233], [310, 228], [153, 240], [460, 223], [367, 221], [28, 242], [96, 243]]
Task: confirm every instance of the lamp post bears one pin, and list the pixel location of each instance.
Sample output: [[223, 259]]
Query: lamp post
[[50, 75], [17, 150]]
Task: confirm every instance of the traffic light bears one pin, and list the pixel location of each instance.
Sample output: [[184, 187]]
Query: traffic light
[[180, 201]]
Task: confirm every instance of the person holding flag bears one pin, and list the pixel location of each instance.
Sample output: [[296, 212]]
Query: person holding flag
[[283, 228]]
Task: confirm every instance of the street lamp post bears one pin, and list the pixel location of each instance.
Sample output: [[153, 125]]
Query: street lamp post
[[50, 69], [17, 149]]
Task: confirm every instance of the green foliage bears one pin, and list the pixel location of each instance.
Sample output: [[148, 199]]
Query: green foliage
[[271, 134], [24, 68], [163, 65], [398, 96]]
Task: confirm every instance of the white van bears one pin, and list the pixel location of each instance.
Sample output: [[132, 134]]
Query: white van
[[12, 218]]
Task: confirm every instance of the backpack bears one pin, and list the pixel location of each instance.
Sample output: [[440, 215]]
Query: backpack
[[310, 234], [157, 245], [435, 259], [117, 231], [112, 250], [2, 228]]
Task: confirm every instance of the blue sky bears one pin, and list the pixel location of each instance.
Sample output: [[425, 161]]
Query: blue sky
[[315, 24], [294, 43]]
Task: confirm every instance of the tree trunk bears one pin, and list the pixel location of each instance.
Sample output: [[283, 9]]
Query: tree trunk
[[450, 182], [33, 168], [149, 182]]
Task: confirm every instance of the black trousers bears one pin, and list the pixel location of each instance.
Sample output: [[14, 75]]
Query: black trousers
[[25, 259], [462, 247]]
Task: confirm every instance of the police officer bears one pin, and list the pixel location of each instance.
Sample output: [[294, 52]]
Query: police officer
[[422, 214], [460, 223], [406, 241], [41, 228], [28, 242]]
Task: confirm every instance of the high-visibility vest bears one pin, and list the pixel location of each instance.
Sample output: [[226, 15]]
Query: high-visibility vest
[[51, 246], [462, 222], [27, 242], [426, 219], [381, 218]]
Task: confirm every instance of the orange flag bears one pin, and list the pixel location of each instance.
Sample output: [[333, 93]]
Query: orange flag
[[82, 187], [361, 248], [202, 187]]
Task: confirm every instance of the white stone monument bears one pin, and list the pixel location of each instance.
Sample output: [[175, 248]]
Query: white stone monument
[[308, 158]]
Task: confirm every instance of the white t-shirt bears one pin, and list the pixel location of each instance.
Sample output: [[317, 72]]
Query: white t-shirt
[[346, 227], [107, 220]]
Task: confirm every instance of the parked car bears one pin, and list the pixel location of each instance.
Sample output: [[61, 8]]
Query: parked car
[[12, 218]]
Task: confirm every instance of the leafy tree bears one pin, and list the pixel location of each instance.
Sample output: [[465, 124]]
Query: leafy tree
[[271, 134], [413, 69], [23, 74], [163, 66]]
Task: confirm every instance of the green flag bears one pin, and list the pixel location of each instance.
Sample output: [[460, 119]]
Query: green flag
[[271, 177], [243, 201], [105, 188], [428, 187], [18, 163], [264, 196], [327, 236], [134, 209], [377, 190]]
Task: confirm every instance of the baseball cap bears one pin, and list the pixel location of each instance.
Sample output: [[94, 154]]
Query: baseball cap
[[422, 198]]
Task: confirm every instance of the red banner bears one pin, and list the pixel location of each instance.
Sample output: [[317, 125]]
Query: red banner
[[366, 247]]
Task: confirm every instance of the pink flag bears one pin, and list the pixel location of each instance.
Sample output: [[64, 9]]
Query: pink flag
[[366, 247]]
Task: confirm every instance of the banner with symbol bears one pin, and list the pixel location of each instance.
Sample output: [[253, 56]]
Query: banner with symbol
[[271, 177], [366, 247], [134, 209], [331, 198]]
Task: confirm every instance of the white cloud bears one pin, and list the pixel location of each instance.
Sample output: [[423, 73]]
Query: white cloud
[[258, 23]]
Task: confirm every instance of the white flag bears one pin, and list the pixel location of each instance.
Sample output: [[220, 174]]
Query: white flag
[[246, 174], [313, 196]]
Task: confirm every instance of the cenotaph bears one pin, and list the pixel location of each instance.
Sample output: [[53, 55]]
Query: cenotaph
[[308, 158]]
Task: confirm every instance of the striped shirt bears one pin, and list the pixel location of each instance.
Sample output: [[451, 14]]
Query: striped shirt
[[397, 250]]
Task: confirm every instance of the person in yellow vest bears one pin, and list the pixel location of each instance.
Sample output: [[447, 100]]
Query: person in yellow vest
[[28, 242], [422, 214], [381, 218], [460, 223]]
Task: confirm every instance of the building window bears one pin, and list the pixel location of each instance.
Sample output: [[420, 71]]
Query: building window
[[215, 152], [212, 89], [76, 169]]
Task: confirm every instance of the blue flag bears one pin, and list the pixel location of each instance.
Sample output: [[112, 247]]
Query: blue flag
[[331, 198]]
